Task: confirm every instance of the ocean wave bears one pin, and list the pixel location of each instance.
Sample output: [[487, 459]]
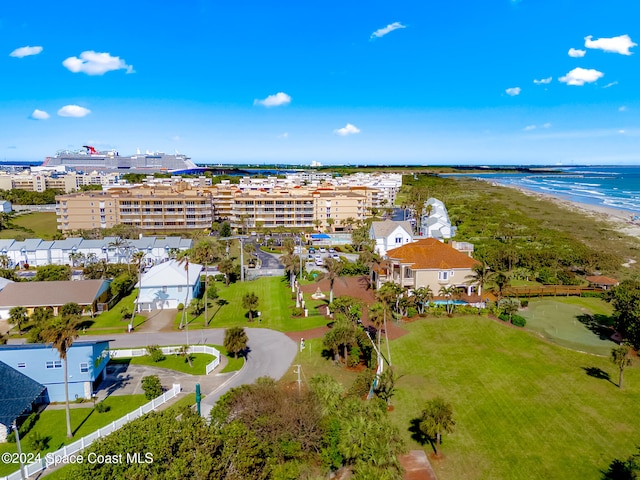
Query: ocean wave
[[592, 192]]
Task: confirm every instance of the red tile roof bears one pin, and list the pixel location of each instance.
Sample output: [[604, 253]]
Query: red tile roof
[[430, 253]]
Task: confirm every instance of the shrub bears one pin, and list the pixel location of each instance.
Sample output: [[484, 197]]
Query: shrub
[[297, 312], [518, 321], [180, 307], [354, 356], [361, 385], [102, 407], [412, 312], [504, 317], [151, 386], [155, 353], [592, 294], [219, 278], [524, 303], [37, 442]]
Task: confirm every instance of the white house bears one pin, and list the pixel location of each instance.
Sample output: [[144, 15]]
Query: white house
[[168, 284], [390, 234], [435, 222]]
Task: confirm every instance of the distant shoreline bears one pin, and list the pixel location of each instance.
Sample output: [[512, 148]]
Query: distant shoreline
[[618, 218]]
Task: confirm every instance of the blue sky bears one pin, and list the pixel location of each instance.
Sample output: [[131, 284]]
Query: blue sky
[[375, 82]]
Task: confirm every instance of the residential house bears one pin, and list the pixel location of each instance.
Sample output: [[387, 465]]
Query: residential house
[[427, 263], [435, 222], [89, 294], [389, 234], [168, 284], [19, 395], [86, 362], [600, 281]]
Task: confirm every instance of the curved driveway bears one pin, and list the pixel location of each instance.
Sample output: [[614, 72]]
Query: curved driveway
[[270, 353]]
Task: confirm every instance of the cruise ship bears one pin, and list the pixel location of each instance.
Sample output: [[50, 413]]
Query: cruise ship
[[91, 159]]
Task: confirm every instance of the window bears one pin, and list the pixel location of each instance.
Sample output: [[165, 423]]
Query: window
[[84, 367], [398, 240], [22, 365], [443, 275], [408, 273], [164, 289], [179, 288], [56, 364]]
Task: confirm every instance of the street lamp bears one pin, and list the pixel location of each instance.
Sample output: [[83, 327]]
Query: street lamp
[[15, 428]]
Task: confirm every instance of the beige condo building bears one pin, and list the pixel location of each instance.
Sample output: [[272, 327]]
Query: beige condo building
[[182, 206]]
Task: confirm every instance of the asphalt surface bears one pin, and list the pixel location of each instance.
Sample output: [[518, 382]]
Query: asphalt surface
[[270, 354], [267, 260]]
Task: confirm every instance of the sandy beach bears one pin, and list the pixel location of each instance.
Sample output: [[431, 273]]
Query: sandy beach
[[621, 220]]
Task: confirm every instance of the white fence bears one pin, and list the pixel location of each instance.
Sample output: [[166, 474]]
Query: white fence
[[171, 350], [65, 452]]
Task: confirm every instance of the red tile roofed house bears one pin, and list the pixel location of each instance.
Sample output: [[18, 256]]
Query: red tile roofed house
[[427, 262], [603, 282]]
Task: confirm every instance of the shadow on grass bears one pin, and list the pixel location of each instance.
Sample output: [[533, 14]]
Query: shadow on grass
[[598, 373], [83, 421], [418, 436], [598, 324]]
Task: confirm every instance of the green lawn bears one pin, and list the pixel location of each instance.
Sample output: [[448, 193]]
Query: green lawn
[[36, 224], [111, 321], [275, 305], [524, 408], [558, 319], [173, 362], [52, 424], [233, 364]]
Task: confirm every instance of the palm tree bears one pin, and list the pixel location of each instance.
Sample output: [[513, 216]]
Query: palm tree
[[422, 296], [138, 257], [619, 357], [436, 419], [448, 293], [61, 334], [4, 261], [183, 259], [183, 351], [18, 316], [502, 280], [207, 252], [235, 340], [122, 246], [334, 267], [250, 302], [480, 276]]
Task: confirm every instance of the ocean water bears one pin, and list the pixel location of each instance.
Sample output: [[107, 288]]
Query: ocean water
[[607, 186]]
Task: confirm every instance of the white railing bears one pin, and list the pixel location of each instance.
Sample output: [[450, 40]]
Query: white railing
[[49, 459], [170, 350]]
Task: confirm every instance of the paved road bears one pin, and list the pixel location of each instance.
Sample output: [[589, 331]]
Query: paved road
[[267, 260], [270, 354]]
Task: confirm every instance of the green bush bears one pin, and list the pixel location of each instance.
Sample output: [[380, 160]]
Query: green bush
[[518, 321], [37, 442], [361, 385], [592, 294], [155, 353], [297, 312], [524, 303], [218, 278], [504, 317], [151, 386], [412, 312], [354, 356], [180, 307], [102, 407]]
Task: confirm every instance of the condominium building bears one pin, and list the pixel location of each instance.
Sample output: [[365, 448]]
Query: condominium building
[[39, 181], [162, 208], [182, 206]]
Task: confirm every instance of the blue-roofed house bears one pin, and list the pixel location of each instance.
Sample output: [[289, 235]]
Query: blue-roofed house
[[61, 249], [86, 362], [168, 284], [19, 394], [24, 252]]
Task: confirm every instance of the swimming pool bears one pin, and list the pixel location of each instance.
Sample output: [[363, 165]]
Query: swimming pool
[[449, 302]]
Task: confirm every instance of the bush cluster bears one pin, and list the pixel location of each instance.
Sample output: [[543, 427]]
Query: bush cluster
[[155, 353]]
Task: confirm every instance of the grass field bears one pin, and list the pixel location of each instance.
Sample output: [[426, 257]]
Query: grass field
[[558, 319], [52, 424], [111, 321], [173, 362], [524, 408], [275, 306], [32, 225]]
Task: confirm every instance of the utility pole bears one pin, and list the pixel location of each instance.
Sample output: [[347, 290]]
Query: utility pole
[[242, 238], [15, 428]]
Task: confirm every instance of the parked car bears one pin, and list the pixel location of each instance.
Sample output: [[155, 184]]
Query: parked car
[[319, 262], [332, 250], [335, 256], [323, 250]]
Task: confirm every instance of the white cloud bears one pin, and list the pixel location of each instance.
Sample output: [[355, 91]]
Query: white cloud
[[512, 92], [73, 111], [349, 129], [176, 138], [580, 76], [39, 115], [528, 128], [610, 84], [381, 32], [543, 81], [620, 44], [284, 135], [96, 63], [546, 125], [575, 53], [25, 51], [276, 100], [622, 108]]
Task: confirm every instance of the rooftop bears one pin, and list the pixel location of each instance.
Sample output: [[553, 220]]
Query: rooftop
[[430, 253]]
